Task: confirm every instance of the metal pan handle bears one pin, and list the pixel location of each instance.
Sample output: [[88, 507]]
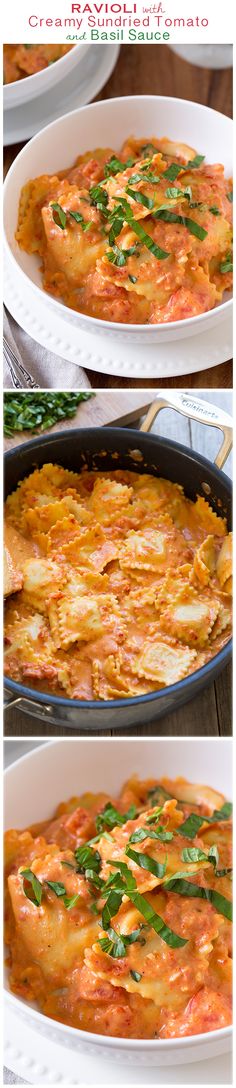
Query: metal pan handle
[[191, 406]]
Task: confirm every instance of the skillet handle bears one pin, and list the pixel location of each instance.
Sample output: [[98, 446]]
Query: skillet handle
[[200, 410]]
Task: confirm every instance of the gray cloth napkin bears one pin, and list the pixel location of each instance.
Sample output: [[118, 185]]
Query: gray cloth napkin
[[47, 369], [11, 1078]]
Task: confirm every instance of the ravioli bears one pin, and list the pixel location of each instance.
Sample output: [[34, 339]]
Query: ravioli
[[122, 947], [131, 579], [139, 237]]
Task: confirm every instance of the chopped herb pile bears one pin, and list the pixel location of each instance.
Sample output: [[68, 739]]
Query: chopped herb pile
[[38, 411]]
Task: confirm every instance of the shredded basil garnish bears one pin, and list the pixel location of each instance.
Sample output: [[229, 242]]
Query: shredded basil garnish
[[56, 887], [158, 868], [35, 894], [185, 888], [227, 264], [192, 226], [230, 197], [136, 976], [59, 216], [140, 198], [115, 166], [128, 887]]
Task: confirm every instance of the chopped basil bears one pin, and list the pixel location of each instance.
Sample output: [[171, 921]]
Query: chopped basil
[[223, 872], [94, 908], [70, 901], [158, 795], [174, 193], [99, 197], [143, 177], [127, 886], [227, 264], [185, 888], [191, 825], [142, 833], [116, 166], [214, 210], [116, 256], [192, 226], [35, 895], [158, 868], [146, 149], [136, 976], [38, 411], [193, 853], [56, 887], [194, 163], [116, 944], [124, 213], [140, 198], [173, 170], [87, 859], [230, 197], [133, 279], [110, 817], [80, 219], [59, 216]]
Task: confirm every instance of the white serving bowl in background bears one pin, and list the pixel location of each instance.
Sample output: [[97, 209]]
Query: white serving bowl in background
[[55, 771], [23, 90], [108, 123]]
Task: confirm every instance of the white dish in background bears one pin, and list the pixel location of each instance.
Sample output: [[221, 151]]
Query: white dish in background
[[113, 357], [76, 89], [107, 123], [60, 769], [17, 93], [204, 55]]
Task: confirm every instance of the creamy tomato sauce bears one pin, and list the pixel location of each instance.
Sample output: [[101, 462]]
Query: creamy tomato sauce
[[143, 237], [126, 587], [153, 962], [20, 61]]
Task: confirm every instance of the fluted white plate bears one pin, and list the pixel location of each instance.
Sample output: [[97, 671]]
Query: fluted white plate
[[176, 358], [77, 89], [41, 1061]]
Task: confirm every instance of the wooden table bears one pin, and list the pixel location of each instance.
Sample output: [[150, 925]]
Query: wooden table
[[211, 711], [155, 69]]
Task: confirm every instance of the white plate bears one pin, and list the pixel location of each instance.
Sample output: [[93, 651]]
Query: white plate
[[77, 89], [60, 769], [175, 358], [61, 1067]]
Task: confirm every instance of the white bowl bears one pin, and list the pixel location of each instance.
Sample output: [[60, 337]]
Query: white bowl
[[60, 769], [107, 124], [23, 90]]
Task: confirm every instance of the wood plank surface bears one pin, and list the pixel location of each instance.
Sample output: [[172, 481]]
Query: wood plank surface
[[155, 69], [211, 712]]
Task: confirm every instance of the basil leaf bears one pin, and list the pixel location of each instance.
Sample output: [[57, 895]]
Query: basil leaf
[[146, 149], [133, 279], [115, 229], [146, 833], [110, 817], [94, 909], [60, 216], [223, 872], [159, 253], [144, 908], [192, 226], [37, 887], [158, 868], [193, 853], [140, 198], [136, 976], [158, 796], [80, 219], [194, 163], [99, 197], [143, 177], [38, 411], [116, 166], [230, 197], [116, 256], [173, 170], [56, 887], [111, 907], [195, 891], [213, 855], [191, 826], [87, 859], [70, 901], [174, 193], [227, 264], [214, 210]]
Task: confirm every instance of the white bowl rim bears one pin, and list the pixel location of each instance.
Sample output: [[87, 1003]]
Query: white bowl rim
[[22, 82], [111, 1041], [92, 322]]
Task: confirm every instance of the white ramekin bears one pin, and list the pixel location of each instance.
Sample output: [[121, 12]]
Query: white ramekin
[[108, 123], [55, 771], [23, 90]]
